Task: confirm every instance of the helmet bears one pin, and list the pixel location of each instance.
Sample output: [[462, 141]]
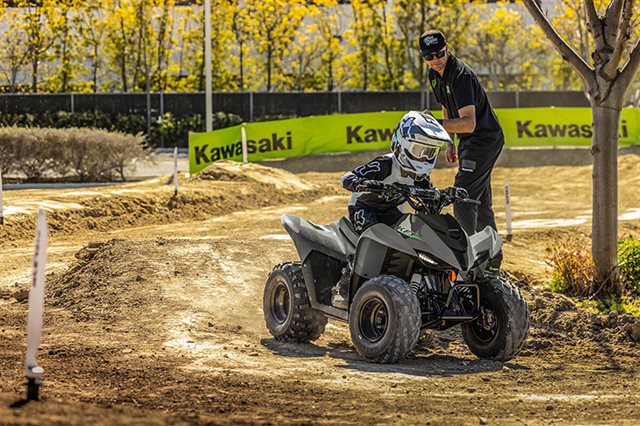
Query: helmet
[[416, 141]]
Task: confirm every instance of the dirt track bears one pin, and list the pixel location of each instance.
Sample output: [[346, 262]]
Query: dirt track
[[154, 313]]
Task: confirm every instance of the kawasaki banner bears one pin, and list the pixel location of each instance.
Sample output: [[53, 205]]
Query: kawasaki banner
[[372, 131], [561, 126]]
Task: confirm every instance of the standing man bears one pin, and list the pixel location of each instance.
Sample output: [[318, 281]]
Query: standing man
[[467, 113]]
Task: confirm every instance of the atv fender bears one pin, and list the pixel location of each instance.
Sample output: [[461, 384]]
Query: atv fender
[[487, 240], [371, 249], [308, 236]]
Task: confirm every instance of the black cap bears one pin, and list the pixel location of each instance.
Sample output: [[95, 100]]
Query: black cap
[[432, 41]]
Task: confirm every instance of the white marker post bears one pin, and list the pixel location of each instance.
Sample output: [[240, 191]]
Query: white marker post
[[507, 209], [245, 159], [1, 210], [175, 172], [36, 308]]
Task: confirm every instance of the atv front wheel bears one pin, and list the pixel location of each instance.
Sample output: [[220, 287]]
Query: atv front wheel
[[287, 309], [384, 319], [502, 326]]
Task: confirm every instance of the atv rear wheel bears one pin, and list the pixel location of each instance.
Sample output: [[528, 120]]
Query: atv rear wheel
[[287, 309], [384, 319], [500, 330]]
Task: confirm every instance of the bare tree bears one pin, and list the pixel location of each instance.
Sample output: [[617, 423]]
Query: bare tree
[[615, 63]]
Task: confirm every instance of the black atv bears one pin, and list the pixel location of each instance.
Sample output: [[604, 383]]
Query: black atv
[[423, 272]]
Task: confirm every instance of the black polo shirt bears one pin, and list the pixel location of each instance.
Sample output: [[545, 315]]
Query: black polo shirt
[[459, 87]]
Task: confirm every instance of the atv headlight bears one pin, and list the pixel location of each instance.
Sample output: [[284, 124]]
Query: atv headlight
[[426, 259]]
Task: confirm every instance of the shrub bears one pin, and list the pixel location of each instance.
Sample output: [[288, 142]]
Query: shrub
[[629, 263], [572, 267], [167, 130], [173, 131], [86, 154]]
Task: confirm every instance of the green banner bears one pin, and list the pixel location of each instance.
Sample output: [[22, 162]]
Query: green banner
[[295, 137], [561, 126], [372, 131]]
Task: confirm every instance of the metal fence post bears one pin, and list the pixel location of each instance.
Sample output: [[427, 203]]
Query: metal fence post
[[161, 104], [251, 106], [73, 106], [517, 99], [339, 101], [148, 114]]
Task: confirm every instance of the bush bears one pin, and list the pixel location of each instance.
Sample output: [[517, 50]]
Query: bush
[[89, 155], [572, 267], [629, 263], [170, 130], [167, 130]]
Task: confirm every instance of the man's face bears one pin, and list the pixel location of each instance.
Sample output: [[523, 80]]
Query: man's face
[[437, 60]]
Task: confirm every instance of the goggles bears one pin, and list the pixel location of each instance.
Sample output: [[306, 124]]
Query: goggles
[[431, 56], [420, 152]]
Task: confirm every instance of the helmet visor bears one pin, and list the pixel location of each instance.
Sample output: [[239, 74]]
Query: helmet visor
[[421, 152]]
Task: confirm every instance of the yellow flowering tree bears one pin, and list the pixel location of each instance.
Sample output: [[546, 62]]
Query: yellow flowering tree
[[274, 25], [506, 50], [453, 17]]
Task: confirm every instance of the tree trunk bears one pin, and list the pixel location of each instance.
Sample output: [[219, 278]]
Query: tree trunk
[[241, 68], [605, 196], [34, 75], [269, 67], [94, 69]]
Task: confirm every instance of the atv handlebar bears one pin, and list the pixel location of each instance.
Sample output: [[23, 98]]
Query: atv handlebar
[[422, 199]]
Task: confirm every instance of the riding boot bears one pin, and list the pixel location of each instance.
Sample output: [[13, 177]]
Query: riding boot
[[340, 290]]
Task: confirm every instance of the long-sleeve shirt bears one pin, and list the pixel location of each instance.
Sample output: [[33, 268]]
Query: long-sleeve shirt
[[384, 169]]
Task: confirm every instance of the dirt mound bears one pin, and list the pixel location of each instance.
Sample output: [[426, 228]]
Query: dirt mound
[[556, 317], [109, 280], [154, 203], [251, 172]]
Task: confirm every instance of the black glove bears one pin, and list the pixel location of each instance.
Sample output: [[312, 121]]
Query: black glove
[[456, 193], [370, 186]]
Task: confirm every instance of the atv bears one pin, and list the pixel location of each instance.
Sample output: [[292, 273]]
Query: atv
[[422, 272]]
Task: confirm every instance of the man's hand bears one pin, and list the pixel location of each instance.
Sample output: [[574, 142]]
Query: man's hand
[[451, 154]]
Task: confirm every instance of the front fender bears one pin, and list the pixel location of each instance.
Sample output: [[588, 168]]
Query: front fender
[[373, 246]]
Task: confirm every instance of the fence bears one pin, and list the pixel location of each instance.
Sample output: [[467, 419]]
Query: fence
[[252, 106]]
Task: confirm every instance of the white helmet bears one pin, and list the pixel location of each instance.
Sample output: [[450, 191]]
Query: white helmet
[[416, 142]]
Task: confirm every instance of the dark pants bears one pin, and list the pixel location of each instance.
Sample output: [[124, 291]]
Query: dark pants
[[363, 217], [474, 175]]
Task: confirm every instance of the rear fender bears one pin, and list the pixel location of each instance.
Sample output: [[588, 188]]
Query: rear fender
[[293, 225]]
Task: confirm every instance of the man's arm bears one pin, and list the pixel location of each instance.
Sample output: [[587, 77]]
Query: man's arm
[[451, 154], [465, 124]]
